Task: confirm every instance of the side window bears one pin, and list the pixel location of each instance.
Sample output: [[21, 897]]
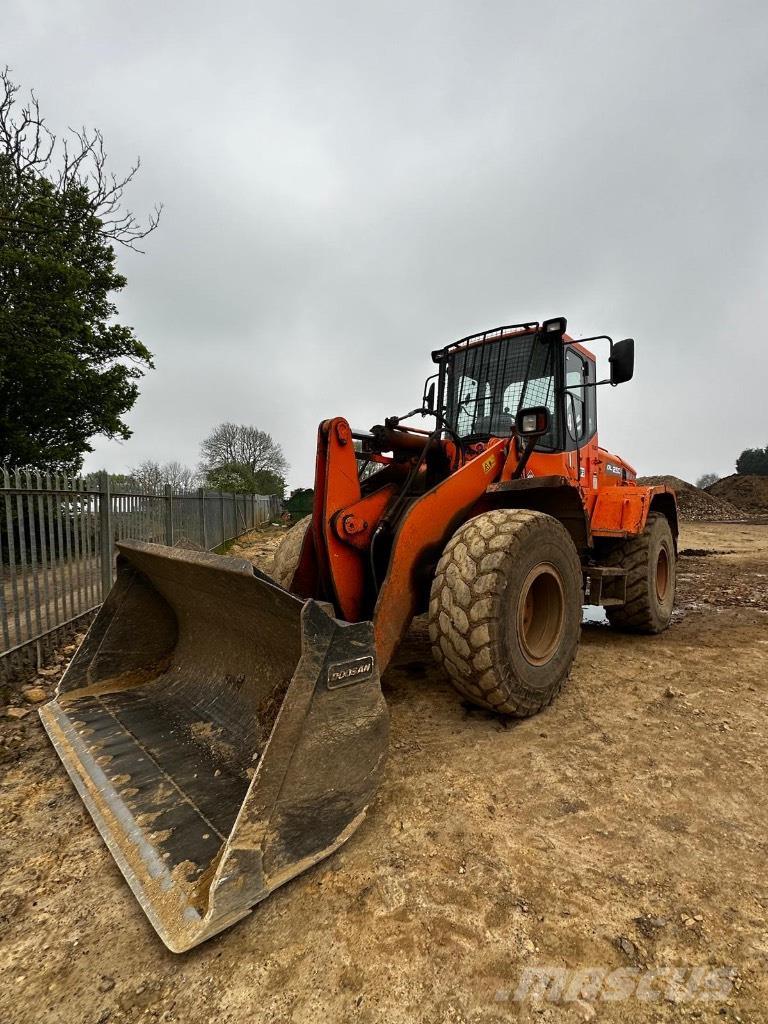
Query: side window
[[580, 403], [591, 399]]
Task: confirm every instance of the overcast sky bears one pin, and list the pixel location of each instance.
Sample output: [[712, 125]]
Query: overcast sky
[[350, 185]]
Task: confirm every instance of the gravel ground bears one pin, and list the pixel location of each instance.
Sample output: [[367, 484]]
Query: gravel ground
[[622, 828]]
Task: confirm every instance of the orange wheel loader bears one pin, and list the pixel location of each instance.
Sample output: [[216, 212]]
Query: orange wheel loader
[[226, 729]]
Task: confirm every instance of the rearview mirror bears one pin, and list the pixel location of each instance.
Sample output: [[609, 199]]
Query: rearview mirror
[[622, 361], [533, 422], [429, 398]]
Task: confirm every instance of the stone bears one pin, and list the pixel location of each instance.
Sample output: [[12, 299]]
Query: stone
[[627, 947], [34, 694], [16, 712]]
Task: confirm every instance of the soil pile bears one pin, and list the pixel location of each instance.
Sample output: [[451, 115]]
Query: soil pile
[[696, 505], [744, 491]]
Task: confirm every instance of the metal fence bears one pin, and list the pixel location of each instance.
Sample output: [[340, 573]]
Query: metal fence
[[57, 554]]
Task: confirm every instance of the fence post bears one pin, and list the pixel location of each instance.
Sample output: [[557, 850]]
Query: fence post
[[169, 515], [203, 530], [105, 534]]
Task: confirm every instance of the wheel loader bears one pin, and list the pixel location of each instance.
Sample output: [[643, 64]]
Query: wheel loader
[[227, 730]]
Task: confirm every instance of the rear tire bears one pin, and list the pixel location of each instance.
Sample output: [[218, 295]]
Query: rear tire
[[505, 610], [649, 560], [286, 558]]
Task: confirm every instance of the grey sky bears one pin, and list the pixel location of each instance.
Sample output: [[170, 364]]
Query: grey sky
[[348, 186]]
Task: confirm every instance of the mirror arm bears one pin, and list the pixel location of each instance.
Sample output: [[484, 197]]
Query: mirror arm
[[595, 337], [590, 384], [528, 451]]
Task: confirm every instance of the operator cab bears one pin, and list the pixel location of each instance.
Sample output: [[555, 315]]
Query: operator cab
[[484, 380]]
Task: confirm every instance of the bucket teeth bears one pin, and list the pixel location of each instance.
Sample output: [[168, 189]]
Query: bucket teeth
[[224, 734]]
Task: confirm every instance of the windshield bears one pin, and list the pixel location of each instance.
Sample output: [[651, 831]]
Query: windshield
[[487, 384]]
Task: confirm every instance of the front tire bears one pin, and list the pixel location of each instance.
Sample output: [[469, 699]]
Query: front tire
[[505, 610]]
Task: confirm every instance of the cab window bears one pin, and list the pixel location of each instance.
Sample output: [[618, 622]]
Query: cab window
[[470, 405], [580, 404]]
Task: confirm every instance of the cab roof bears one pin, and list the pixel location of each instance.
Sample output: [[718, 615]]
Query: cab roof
[[496, 334]]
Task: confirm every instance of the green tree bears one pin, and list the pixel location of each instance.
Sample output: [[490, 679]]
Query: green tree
[[753, 461], [118, 482], [243, 459], [707, 480], [68, 371], [238, 478]]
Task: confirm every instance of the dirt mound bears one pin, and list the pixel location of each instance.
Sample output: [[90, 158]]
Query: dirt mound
[[695, 504], [745, 492]]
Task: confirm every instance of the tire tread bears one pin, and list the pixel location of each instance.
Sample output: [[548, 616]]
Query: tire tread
[[465, 577]]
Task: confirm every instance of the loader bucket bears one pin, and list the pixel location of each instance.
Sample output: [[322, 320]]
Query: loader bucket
[[224, 734]]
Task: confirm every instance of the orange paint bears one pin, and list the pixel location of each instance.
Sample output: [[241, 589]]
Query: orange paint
[[410, 531]]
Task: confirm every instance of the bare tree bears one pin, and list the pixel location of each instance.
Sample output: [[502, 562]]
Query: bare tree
[[78, 161], [152, 477], [148, 476], [179, 476], [232, 443]]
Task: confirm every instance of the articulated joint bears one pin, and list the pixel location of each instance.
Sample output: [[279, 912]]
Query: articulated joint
[[351, 525]]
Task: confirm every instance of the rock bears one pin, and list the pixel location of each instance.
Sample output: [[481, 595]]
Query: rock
[[106, 984], [627, 947], [10, 904], [34, 694], [648, 925], [585, 1010], [16, 712]]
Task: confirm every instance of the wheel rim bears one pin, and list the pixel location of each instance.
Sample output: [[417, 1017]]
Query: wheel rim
[[541, 613], [662, 573]]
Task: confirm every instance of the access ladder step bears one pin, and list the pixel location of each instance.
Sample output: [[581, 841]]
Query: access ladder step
[[605, 585]]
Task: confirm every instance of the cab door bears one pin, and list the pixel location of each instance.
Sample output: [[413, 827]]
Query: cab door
[[580, 419]]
